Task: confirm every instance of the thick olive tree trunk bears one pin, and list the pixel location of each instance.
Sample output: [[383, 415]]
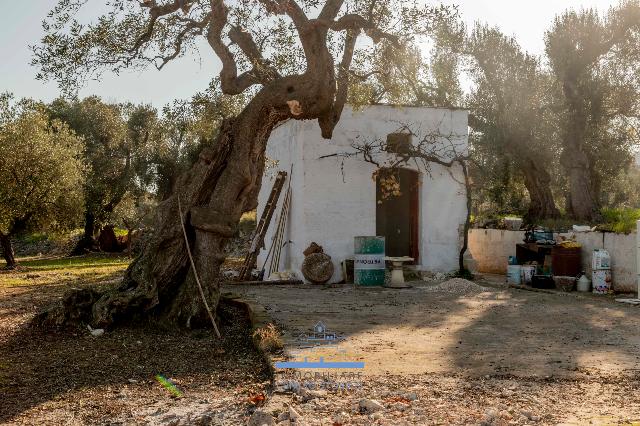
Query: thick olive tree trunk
[[538, 183], [160, 285], [583, 204], [7, 251]]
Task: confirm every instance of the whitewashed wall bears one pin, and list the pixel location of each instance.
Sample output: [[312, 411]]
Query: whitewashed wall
[[334, 199], [490, 249]]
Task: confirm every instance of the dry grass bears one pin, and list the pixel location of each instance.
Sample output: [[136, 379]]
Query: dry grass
[[268, 338]]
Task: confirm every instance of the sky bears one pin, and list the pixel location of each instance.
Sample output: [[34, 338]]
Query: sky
[[20, 27]]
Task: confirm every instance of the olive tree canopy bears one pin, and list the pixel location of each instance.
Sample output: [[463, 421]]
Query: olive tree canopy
[[41, 172]]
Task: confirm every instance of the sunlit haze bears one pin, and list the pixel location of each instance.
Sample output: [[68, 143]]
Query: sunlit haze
[[20, 26]]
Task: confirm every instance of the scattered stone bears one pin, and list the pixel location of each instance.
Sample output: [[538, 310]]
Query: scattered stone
[[376, 416], [504, 414], [527, 414], [294, 416], [260, 418], [369, 406], [490, 416], [456, 286], [341, 419], [411, 396], [95, 332], [399, 406]]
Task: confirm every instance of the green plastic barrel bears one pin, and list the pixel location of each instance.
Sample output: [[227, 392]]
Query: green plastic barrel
[[369, 265]]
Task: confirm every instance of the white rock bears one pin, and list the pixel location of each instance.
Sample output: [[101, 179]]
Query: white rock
[[95, 332], [370, 405]]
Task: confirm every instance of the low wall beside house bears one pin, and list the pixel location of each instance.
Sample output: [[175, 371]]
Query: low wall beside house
[[491, 248]]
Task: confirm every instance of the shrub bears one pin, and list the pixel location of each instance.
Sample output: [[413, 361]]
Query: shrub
[[622, 220], [268, 338]]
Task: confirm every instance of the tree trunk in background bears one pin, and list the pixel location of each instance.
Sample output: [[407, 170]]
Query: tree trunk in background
[[107, 240], [7, 251], [538, 183], [86, 242], [582, 202], [213, 194]]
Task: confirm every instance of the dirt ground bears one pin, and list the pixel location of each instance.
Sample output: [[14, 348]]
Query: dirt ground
[[470, 355], [433, 354], [74, 378]]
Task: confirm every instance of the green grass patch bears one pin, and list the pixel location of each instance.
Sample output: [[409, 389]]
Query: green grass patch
[[622, 221], [68, 271], [74, 262], [120, 232]]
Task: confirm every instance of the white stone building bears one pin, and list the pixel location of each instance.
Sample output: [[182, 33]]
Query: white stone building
[[335, 199]]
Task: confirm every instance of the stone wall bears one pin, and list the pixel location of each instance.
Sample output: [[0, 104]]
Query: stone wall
[[490, 249]]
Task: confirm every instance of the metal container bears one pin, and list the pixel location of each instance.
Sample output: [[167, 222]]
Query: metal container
[[567, 262], [369, 265]]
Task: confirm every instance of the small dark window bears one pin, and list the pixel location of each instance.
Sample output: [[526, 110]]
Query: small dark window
[[399, 143]]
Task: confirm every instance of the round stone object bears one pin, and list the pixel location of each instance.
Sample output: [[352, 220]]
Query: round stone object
[[317, 268]]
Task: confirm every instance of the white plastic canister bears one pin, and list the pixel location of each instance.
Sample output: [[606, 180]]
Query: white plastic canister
[[601, 259], [602, 281], [528, 271], [584, 284]]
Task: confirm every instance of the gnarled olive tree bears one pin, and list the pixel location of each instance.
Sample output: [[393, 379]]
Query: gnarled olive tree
[[294, 57]]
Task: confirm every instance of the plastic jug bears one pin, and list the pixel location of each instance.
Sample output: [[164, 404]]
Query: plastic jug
[[584, 283]]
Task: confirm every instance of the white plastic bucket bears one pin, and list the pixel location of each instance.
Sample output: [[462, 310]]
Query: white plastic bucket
[[514, 274]]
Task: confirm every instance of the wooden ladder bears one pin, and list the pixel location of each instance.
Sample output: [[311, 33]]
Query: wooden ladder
[[261, 230]]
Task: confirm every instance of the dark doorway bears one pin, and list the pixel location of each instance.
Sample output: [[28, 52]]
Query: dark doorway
[[397, 196]]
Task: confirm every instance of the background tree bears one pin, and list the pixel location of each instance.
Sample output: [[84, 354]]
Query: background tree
[[514, 128], [293, 57], [116, 150], [41, 173], [584, 51]]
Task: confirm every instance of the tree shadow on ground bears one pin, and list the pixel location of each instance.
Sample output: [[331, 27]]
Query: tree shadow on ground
[[535, 334], [83, 373], [497, 332]]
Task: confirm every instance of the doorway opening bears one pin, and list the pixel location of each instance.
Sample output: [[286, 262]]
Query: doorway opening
[[397, 211]]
